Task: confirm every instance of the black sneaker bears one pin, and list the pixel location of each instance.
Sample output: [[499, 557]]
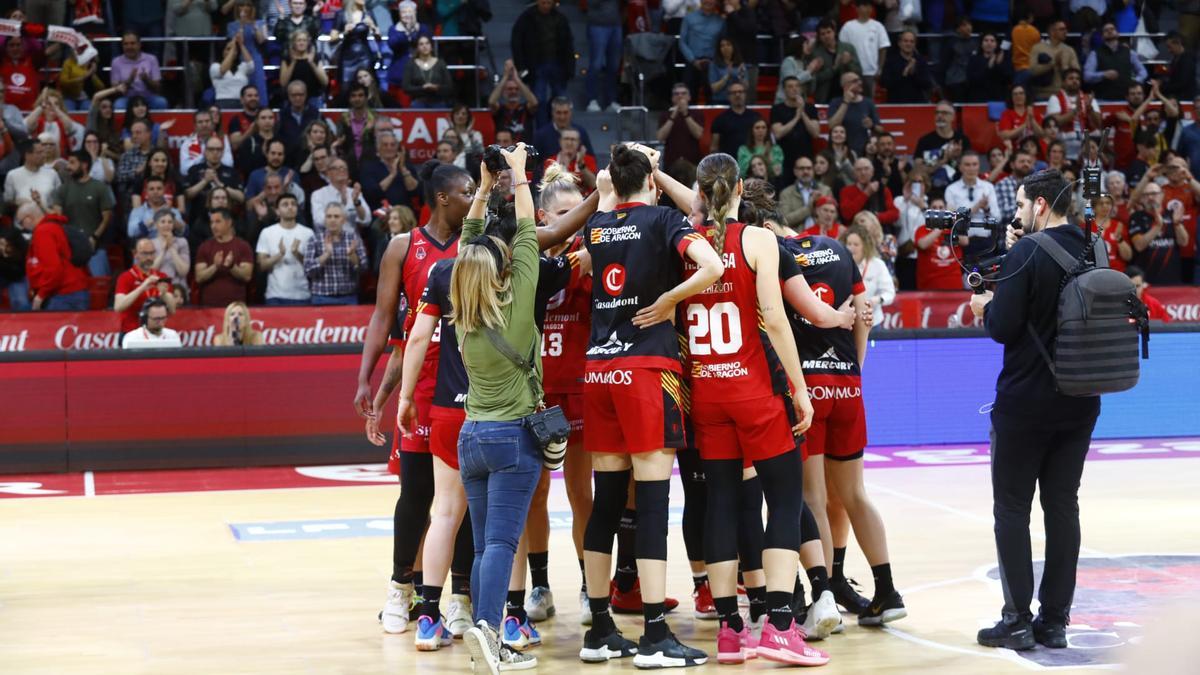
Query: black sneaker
[[845, 594], [600, 648], [1017, 635], [1050, 634], [883, 610], [667, 653]]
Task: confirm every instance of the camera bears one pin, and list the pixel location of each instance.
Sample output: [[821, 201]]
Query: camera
[[985, 248], [1093, 182], [495, 161]]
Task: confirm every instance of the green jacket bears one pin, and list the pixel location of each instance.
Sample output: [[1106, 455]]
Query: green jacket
[[499, 391]]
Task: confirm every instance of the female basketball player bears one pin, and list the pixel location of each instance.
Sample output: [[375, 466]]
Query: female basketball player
[[631, 396]]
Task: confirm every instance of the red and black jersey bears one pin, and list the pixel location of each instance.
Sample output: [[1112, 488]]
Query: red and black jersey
[[450, 390], [834, 277], [565, 333], [724, 327], [423, 252], [636, 251]]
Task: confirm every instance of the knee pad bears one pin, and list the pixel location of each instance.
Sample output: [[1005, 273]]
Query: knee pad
[[780, 476], [808, 526], [653, 501], [723, 515], [750, 525], [608, 502]]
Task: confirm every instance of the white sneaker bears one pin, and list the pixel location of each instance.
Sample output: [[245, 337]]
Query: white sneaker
[[394, 616], [840, 628], [822, 617], [585, 610], [540, 604], [484, 646], [593, 106], [614, 107], [458, 618]]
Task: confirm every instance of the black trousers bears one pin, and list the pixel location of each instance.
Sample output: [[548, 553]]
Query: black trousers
[[1026, 455]]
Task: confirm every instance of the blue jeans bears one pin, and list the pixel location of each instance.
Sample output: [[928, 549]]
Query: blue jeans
[[351, 299], [604, 55], [500, 467], [99, 266], [18, 296], [80, 105], [154, 101], [287, 302], [68, 302], [549, 81]]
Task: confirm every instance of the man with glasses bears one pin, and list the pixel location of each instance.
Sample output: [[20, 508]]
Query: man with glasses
[[970, 192], [139, 284], [154, 334], [1157, 235], [317, 176], [139, 72], [796, 200], [679, 130], [191, 152], [731, 128], [1177, 198], [205, 176], [294, 118], [339, 191], [931, 148]]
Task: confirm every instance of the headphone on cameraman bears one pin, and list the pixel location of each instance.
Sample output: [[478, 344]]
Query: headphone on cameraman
[[144, 313]]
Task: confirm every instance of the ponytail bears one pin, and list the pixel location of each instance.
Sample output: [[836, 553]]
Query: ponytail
[[717, 176]]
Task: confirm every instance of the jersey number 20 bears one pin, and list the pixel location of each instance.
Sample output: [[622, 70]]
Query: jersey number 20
[[714, 330]]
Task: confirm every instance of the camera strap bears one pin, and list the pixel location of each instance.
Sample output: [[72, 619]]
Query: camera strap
[[506, 350]]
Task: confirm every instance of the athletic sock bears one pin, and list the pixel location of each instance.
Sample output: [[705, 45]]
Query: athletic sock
[[758, 602], [602, 621], [698, 581], [460, 584], [626, 575], [432, 598], [798, 592], [418, 581], [727, 611], [779, 609], [655, 614], [582, 575], [883, 579], [819, 578], [516, 605], [839, 559], [538, 564]]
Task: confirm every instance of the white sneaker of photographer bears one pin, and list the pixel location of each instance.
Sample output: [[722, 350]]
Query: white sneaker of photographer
[[458, 618], [394, 616]]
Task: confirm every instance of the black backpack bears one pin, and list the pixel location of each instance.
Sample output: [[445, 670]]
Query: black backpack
[[81, 245], [1100, 319]]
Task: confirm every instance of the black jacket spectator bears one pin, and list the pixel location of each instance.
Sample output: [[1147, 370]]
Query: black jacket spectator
[[529, 41], [988, 77], [1180, 83], [907, 78]]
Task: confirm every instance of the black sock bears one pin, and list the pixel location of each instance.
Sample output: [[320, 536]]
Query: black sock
[[418, 581], [602, 622], [699, 580], [758, 601], [538, 572], [460, 584], [582, 575], [839, 559], [883, 579], [798, 592], [779, 609], [819, 578], [626, 575], [516, 605], [655, 615], [727, 611], [432, 598]]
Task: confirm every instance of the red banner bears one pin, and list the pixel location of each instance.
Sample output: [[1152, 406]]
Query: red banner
[[418, 130]]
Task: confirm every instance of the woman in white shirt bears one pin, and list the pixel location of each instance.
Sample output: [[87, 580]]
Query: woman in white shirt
[[232, 73], [876, 277]]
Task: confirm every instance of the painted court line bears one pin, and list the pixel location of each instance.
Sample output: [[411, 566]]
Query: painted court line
[[89, 484]]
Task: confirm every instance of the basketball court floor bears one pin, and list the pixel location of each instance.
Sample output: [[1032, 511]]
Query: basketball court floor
[[284, 570]]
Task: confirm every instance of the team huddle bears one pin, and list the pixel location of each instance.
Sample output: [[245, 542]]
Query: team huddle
[[708, 334]]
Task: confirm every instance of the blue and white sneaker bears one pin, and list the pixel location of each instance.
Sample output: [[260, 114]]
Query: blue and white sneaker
[[519, 636], [431, 634]]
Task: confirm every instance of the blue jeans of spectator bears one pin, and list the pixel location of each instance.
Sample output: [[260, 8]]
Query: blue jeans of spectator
[[99, 266], [18, 295], [604, 57], [287, 302], [500, 467], [154, 101], [68, 302], [381, 14], [80, 105], [549, 81], [349, 299]]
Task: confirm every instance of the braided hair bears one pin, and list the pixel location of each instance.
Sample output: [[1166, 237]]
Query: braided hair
[[717, 176]]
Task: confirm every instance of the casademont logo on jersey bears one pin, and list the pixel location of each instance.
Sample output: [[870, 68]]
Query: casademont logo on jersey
[[621, 377], [613, 235]]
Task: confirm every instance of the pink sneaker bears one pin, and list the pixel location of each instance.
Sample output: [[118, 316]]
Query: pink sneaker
[[731, 645], [753, 635], [789, 647]]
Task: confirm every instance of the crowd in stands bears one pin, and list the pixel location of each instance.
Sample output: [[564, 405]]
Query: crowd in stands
[[272, 200]]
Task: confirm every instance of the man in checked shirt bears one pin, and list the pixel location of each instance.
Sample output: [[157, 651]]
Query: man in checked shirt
[[333, 259]]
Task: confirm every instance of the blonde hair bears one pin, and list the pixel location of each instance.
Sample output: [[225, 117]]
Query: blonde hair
[[556, 181], [717, 177], [863, 231], [479, 289], [250, 334]]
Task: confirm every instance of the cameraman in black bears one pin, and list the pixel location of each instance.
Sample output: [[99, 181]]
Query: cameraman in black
[[1039, 436]]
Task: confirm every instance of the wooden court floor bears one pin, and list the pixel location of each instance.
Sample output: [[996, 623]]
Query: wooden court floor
[[158, 583]]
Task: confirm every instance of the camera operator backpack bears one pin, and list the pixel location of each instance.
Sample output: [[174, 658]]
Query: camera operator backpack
[[1100, 320]]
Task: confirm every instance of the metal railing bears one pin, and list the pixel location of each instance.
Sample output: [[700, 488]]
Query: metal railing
[[186, 45]]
